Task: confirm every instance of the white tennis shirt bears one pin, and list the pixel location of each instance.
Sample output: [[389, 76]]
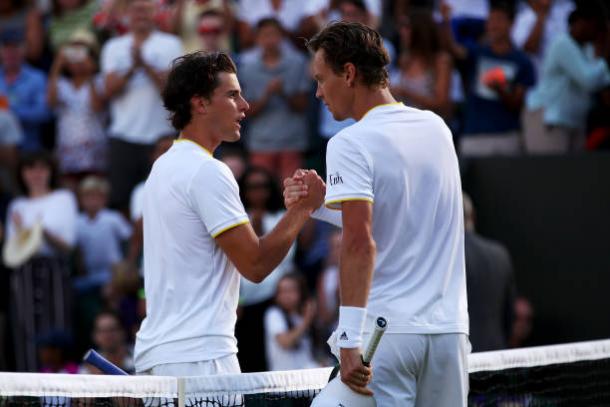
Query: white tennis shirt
[[403, 160], [191, 286]]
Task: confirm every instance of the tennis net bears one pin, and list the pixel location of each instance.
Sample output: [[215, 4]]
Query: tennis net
[[561, 375]]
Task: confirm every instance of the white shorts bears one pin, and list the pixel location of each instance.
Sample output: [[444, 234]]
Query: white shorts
[[420, 370], [225, 365]]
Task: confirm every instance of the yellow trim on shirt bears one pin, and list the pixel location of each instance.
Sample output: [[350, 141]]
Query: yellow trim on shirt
[[220, 232], [384, 104], [336, 201], [182, 140]]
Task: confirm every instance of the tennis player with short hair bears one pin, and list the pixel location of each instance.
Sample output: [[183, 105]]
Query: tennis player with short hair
[[196, 232], [394, 176]]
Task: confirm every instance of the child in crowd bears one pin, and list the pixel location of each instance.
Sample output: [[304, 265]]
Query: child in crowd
[[287, 326]]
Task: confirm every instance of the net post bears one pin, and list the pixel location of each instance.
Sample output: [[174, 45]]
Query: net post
[[181, 391]]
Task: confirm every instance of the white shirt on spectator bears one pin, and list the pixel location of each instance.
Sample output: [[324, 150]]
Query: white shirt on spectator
[[403, 161], [10, 129], [279, 358], [191, 286], [469, 8], [58, 212], [290, 14], [136, 202], [100, 240], [556, 22], [137, 114]]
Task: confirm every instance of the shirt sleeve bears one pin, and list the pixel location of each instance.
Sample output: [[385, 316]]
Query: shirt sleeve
[[66, 208], [526, 75], [349, 173], [275, 322], [122, 227], [215, 197]]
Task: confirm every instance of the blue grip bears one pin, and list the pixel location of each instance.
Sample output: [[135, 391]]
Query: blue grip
[[97, 360]]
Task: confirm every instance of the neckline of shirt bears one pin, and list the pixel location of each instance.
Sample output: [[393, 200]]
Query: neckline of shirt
[[375, 108], [183, 140]]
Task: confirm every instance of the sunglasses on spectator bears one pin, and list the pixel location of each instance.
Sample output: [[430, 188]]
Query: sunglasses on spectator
[[209, 30]]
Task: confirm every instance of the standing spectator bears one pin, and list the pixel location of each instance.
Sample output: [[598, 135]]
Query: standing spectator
[[24, 87], [490, 286], [40, 287], [299, 18], [204, 25], [288, 324], [468, 19], [109, 339], [135, 66], [557, 108], [262, 200], [537, 23], [11, 136], [68, 17], [276, 84], [497, 76], [423, 77], [15, 15], [101, 234], [76, 94]]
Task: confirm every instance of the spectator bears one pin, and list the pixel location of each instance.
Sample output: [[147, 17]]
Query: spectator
[[15, 15], [490, 286], [204, 25], [101, 235], [261, 197], [40, 287], [523, 324], [537, 23], [68, 17], [328, 287], [497, 76], [235, 158], [109, 339], [299, 18], [468, 19], [11, 136], [134, 67], [276, 86], [557, 108], [287, 326], [373, 9], [24, 87], [54, 353], [423, 77], [76, 94]]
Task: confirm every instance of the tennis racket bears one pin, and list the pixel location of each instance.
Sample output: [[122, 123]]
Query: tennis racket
[[336, 393], [107, 367]]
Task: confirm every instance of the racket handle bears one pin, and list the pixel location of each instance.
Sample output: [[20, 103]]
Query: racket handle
[[380, 326], [107, 367]]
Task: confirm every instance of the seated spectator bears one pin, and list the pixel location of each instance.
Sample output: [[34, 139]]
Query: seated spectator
[[497, 76], [297, 17], [134, 68], [76, 94], [15, 15], [203, 25], [40, 287], [423, 77], [54, 353], [276, 87], [101, 235], [557, 108], [24, 87], [288, 324], [490, 284], [110, 341], [68, 17], [537, 23], [261, 197]]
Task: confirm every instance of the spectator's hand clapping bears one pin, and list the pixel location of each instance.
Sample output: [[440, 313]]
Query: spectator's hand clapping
[[275, 85]]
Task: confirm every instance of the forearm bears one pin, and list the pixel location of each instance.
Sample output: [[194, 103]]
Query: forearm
[[52, 89], [158, 77], [357, 262], [257, 106], [532, 44], [58, 243], [455, 49], [115, 82], [288, 339], [298, 102]]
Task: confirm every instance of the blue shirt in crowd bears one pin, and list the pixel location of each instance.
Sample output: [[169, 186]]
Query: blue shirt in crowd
[[485, 111], [27, 100], [570, 75]]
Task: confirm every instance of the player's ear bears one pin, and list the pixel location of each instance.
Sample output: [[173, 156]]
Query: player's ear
[[198, 104], [349, 72]]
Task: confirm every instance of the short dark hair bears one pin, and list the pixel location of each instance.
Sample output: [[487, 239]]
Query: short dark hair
[[269, 21], [359, 4], [30, 159], [504, 7], [593, 11], [345, 42], [194, 74]]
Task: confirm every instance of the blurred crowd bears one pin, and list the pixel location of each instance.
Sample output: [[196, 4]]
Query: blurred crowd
[[81, 122]]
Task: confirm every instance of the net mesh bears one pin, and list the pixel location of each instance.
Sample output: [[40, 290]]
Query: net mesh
[[563, 375]]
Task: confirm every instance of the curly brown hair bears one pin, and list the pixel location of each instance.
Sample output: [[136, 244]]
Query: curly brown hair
[[345, 42], [194, 74]]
